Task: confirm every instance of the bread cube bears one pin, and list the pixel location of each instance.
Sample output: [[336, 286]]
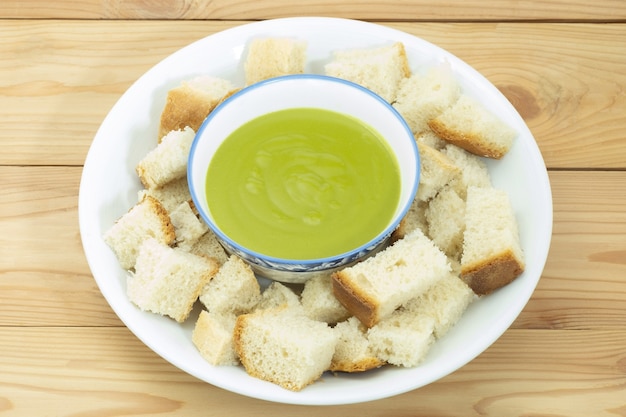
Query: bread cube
[[167, 280]]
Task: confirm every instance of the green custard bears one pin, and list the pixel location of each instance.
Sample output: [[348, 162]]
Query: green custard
[[302, 184]]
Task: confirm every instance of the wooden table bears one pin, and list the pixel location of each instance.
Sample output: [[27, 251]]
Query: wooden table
[[63, 64]]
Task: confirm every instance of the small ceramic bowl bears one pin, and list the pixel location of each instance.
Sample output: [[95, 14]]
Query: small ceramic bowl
[[303, 91]]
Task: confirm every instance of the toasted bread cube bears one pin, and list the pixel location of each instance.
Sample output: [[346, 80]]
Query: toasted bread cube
[[402, 339], [167, 280], [208, 245], [273, 57], [492, 254], [473, 170], [213, 337], [445, 216], [445, 303], [414, 219], [353, 352], [170, 195], [380, 69], [190, 103], [468, 124], [278, 295], [144, 220], [168, 161], [422, 97], [234, 289], [374, 288], [320, 303], [284, 347], [436, 171], [189, 228]]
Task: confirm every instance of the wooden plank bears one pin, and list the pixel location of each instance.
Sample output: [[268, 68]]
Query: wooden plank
[[42, 267], [107, 371], [44, 277], [39, 211], [566, 80], [415, 10], [57, 87], [583, 284]]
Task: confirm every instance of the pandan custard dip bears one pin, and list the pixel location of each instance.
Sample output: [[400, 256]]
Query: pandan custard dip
[[303, 183]]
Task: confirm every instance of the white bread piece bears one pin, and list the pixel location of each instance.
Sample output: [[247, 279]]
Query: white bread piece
[[274, 57], [380, 69], [171, 195], [455, 264], [468, 124], [320, 303], [167, 280], [353, 352], [445, 302], [284, 347], [492, 255], [145, 219], [213, 337], [445, 216], [372, 289], [436, 171], [187, 225], [208, 245], [278, 295], [402, 339], [430, 138], [191, 102], [422, 97], [473, 170], [234, 289], [168, 161], [415, 218]]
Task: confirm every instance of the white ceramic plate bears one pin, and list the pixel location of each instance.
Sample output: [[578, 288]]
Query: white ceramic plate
[[109, 188]]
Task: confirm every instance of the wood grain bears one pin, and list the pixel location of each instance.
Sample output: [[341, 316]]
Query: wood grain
[[415, 10], [587, 259], [44, 277], [57, 88], [567, 81], [108, 372], [64, 64]]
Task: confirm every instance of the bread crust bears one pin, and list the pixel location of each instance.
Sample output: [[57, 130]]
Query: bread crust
[[253, 363], [470, 143], [168, 230], [488, 275], [361, 365], [404, 60], [358, 303], [184, 108], [240, 325], [238, 335]]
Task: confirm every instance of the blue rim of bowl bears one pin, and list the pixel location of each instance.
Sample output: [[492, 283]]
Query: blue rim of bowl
[[305, 262]]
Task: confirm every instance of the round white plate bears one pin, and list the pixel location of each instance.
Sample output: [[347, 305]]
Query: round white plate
[[109, 188]]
